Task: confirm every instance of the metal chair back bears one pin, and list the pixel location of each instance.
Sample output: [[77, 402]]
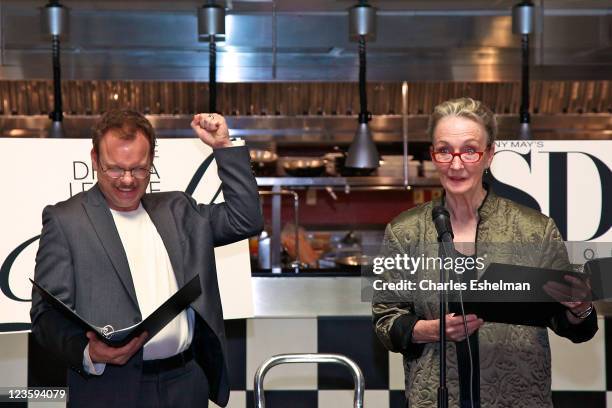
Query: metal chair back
[[309, 358]]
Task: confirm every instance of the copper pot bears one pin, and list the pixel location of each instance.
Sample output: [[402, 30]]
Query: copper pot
[[304, 166]]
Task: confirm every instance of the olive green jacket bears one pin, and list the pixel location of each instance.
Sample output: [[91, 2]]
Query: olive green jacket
[[515, 368]]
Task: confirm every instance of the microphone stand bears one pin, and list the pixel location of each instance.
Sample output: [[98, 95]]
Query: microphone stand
[[441, 219], [446, 242]]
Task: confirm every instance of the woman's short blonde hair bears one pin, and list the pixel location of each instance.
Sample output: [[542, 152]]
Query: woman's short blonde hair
[[465, 108]]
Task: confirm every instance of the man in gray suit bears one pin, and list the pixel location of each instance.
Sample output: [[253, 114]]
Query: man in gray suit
[[114, 254]]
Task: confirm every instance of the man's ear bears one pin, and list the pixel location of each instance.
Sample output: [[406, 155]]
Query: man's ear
[[94, 159]]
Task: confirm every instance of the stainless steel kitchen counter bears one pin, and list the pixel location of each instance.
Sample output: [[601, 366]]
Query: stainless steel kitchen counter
[[303, 296]]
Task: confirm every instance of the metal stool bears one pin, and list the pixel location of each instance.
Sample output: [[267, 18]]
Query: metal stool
[[309, 358]]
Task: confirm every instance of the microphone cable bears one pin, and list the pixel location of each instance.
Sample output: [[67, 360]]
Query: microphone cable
[[467, 339], [441, 219], [469, 347]]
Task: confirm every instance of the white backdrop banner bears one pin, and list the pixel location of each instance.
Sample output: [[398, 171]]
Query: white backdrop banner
[[570, 181], [38, 172]]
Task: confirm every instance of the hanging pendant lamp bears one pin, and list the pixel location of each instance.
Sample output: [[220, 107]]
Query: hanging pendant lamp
[[211, 29], [362, 153], [522, 24], [54, 19]]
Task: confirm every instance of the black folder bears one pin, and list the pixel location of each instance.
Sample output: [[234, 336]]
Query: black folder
[[532, 308], [153, 324], [600, 272]]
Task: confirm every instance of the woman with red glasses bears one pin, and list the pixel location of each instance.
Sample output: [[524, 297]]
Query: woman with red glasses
[[488, 364]]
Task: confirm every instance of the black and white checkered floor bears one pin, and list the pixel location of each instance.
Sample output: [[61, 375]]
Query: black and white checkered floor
[[582, 373], [579, 370]]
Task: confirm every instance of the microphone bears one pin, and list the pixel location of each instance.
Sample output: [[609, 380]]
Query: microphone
[[441, 219]]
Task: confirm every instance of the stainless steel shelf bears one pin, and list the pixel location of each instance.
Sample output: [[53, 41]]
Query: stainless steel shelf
[[371, 181], [323, 130]]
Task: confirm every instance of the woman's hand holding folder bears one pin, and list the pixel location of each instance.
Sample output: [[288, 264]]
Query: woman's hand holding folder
[[428, 331], [576, 296]]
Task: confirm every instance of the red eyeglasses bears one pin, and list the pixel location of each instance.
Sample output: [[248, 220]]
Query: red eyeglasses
[[448, 157]]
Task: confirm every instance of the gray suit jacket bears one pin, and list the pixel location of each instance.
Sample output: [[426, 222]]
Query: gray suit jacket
[[81, 260]]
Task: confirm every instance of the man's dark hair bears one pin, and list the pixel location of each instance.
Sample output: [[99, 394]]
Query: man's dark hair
[[125, 124]]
